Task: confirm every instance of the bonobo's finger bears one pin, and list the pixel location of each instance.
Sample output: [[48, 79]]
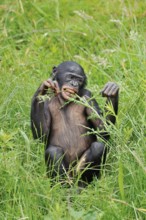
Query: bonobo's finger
[[68, 92], [56, 86], [51, 83], [104, 88], [68, 88], [111, 90], [43, 88], [44, 85], [114, 91]]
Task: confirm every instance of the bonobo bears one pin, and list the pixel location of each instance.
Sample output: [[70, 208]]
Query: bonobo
[[62, 124]]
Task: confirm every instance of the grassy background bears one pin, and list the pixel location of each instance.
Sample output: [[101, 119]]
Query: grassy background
[[107, 37]]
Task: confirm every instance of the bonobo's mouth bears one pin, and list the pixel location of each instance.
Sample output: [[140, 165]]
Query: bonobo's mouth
[[68, 92]]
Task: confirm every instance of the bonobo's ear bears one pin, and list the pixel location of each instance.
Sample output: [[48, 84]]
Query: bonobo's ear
[[54, 71]]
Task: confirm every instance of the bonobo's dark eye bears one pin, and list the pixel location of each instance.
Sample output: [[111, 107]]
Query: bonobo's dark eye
[[68, 78], [80, 81]]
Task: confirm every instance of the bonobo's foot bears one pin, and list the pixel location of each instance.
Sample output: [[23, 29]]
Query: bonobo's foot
[[91, 156], [54, 161], [89, 164]]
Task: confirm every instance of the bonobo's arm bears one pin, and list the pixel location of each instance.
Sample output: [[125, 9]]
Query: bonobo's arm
[[94, 108], [111, 91], [40, 115]]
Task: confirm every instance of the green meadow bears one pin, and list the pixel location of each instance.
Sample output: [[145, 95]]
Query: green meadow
[[108, 38]]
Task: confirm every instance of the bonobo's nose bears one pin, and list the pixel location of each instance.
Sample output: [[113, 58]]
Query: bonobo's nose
[[74, 83]]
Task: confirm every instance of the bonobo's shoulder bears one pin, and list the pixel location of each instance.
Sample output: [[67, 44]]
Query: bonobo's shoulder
[[87, 93]]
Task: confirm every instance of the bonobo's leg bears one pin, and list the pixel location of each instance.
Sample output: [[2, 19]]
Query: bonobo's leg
[[54, 160], [92, 158]]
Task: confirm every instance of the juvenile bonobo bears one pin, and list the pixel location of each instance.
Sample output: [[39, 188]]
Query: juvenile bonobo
[[62, 124]]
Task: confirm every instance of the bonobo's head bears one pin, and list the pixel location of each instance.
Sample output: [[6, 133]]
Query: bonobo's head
[[70, 77]]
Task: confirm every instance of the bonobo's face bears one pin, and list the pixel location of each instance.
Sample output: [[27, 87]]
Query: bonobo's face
[[71, 79], [71, 85]]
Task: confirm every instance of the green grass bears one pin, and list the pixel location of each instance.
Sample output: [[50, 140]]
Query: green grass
[[107, 38]]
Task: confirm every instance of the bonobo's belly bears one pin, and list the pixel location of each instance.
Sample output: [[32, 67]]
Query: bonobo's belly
[[68, 130]]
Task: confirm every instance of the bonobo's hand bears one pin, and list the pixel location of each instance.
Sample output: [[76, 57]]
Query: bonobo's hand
[[53, 85], [110, 89], [68, 92]]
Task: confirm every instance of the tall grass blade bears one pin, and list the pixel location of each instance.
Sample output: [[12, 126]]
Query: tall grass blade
[[121, 179]]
